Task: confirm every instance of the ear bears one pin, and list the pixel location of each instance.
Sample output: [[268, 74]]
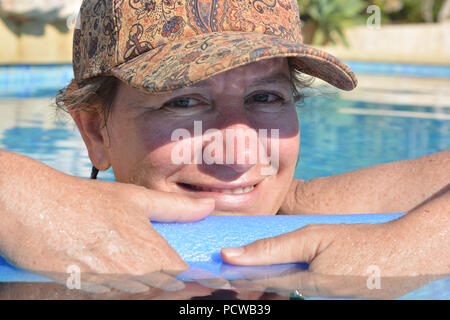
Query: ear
[[95, 136]]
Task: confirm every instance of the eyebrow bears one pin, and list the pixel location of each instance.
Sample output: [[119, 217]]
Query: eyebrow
[[276, 78]]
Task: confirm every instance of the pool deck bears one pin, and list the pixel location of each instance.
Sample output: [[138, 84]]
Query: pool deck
[[397, 90], [401, 90], [427, 43], [422, 43]]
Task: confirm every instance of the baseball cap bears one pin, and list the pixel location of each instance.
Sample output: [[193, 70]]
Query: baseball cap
[[162, 45]]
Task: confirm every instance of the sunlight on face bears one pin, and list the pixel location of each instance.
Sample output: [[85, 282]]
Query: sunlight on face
[[255, 99]]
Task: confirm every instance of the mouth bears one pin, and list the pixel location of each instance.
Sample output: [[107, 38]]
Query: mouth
[[231, 198], [226, 190]]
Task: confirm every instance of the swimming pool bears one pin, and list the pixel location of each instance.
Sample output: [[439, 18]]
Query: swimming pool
[[387, 118]]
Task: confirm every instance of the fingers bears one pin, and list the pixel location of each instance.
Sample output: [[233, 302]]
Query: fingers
[[168, 207], [301, 245]]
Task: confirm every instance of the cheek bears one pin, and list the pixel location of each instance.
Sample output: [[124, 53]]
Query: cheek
[[288, 141], [278, 186], [159, 167], [140, 151], [156, 164], [124, 148]]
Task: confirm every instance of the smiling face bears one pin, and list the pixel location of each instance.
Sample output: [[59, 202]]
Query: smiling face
[[138, 141]]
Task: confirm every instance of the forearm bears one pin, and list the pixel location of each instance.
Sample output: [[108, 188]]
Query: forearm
[[24, 183], [424, 232], [386, 188]]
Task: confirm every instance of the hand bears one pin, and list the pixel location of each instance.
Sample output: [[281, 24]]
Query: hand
[[392, 249], [415, 244], [324, 247], [52, 221]]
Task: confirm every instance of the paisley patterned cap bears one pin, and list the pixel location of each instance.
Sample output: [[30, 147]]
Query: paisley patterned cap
[[163, 45]]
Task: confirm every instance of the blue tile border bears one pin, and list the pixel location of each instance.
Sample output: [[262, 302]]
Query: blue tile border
[[414, 70], [19, 81]]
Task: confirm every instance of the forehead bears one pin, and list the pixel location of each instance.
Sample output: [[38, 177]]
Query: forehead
[[255, 70]]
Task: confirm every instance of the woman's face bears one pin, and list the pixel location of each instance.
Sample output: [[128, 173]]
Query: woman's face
[[191, 140]]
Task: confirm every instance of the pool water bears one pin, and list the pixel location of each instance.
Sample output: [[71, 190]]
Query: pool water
[[385, 119]]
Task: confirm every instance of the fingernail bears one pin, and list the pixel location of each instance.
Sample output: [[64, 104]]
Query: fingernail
[[233, 251]]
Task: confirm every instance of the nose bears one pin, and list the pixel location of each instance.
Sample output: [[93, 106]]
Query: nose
[[238, 149]]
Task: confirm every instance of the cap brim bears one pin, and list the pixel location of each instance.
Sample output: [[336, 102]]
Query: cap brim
[[182, 63]]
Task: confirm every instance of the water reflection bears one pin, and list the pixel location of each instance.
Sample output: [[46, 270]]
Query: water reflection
[[292, 284], [310, 285]]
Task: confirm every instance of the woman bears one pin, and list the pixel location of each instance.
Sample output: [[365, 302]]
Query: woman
[[145, 69]]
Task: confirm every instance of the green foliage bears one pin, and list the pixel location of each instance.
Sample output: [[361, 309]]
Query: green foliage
[[400, 11], [325, 20], [407, 11], [331, 17]]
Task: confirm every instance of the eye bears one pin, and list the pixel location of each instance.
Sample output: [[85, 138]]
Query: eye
[[263, 97], [184, 102]]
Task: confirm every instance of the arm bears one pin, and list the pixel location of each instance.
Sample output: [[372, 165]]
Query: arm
[[50, 220], [386, 188]]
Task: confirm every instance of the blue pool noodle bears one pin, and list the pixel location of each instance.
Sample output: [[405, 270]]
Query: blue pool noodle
[[199, 243]]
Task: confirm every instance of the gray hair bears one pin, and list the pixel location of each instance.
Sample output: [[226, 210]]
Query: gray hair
[[94, 95]]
